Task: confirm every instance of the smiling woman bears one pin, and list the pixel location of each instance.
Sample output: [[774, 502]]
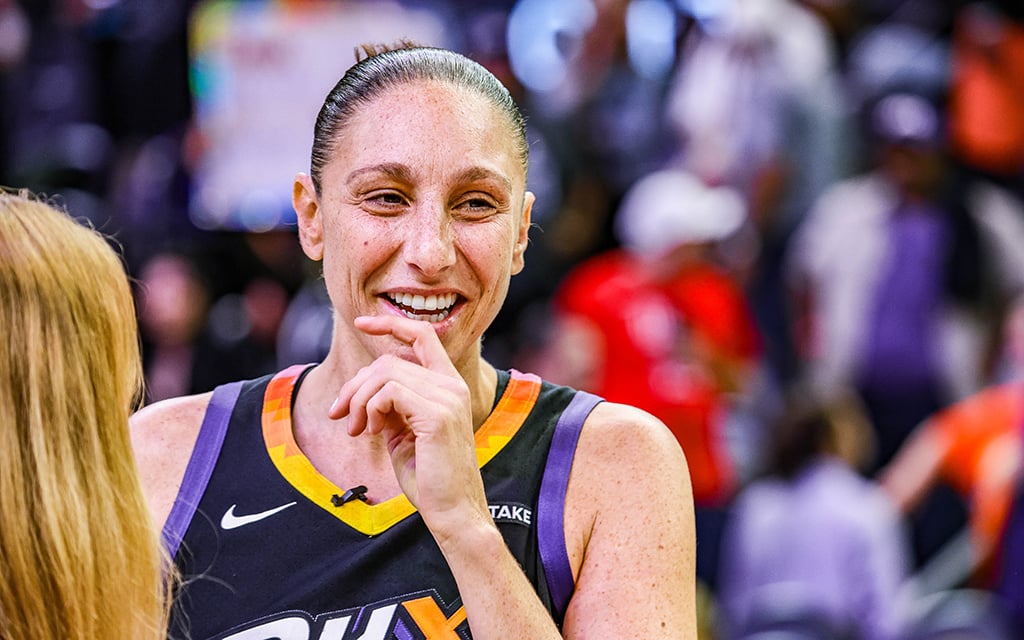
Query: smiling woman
[[428, 200], [482, 504]]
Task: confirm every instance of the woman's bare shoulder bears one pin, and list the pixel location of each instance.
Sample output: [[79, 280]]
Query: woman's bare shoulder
[[612, 426], [625, 457], [171, 411], [163, 435]]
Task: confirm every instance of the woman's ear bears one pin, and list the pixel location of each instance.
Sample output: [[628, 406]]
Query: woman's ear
[[523, 235], [307, 213]]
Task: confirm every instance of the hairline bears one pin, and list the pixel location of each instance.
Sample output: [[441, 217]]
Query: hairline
[[369, 79]]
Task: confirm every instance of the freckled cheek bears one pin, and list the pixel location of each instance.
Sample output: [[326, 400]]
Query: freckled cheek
[[491, 261], [361, 235], [349, 245], [486, 240], [479, 248]]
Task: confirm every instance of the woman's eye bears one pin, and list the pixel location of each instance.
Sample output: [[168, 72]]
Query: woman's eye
[[385, 201], [476, 207]]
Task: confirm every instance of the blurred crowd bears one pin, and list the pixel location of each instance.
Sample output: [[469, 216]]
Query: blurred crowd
[[792, 229]]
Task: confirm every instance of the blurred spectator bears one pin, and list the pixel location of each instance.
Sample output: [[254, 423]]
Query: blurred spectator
[[900, 274], [174, 303], [975, 446], [986, 119], [627, 326], [753, 89], [813, 545], [893, 55], [756, 106], [193, 342], [617, 129], [660, 324]]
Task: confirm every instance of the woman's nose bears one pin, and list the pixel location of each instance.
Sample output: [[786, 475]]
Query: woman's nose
[[430, 240]]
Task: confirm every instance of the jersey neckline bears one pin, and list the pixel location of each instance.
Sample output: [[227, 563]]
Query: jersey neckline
[[505, 420]]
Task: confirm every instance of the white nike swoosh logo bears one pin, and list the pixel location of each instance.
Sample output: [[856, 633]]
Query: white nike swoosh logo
[[232, 521]]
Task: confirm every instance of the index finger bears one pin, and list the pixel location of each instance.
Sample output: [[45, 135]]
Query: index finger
[[418, 334]]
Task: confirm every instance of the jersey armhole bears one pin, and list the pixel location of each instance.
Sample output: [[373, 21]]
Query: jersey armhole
[[200, 464], [551, 502]]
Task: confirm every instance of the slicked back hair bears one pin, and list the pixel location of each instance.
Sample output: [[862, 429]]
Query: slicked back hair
[[381, 68]]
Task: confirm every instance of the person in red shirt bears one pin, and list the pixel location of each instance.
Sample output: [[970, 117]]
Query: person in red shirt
[[658, 323]]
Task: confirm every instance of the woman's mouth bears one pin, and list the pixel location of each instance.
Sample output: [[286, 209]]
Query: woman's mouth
[[431, 308]]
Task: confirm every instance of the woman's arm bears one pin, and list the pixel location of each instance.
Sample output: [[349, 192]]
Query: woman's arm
[[630, 530], [630, 537]]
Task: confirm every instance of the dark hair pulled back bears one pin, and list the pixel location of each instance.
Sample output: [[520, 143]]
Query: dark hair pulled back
[[385, 68]]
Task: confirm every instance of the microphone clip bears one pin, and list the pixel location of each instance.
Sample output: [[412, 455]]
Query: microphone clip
[[355, 493]]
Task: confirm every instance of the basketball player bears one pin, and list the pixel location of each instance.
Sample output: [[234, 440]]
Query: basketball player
[[403, 487]]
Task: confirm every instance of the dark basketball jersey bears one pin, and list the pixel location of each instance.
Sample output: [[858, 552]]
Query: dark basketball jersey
[[267, 548]]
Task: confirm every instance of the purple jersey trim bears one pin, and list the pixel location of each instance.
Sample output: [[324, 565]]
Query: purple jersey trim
[[200, 465], [551, 502]]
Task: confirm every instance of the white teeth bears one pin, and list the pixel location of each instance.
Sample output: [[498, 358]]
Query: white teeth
[[437, 317], [416, 304]]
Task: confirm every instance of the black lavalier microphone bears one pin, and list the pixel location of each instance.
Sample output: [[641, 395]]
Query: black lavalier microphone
[[355, 493]]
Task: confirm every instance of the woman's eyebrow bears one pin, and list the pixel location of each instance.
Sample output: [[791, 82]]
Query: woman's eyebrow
[[474, 174], [393, 169], [403, 173]]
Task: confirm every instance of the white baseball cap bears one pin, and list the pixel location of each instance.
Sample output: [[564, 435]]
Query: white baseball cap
[[670, 207]]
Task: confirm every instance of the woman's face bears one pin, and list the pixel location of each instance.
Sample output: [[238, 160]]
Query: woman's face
[[423, 213]]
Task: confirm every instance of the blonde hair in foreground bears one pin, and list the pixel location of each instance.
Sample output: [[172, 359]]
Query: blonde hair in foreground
[[79, 556]]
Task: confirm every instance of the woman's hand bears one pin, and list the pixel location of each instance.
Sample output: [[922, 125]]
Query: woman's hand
[[421, 407]]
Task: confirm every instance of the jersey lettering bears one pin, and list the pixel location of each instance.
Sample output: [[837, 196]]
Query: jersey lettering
[[515, 513], [419, 618]]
